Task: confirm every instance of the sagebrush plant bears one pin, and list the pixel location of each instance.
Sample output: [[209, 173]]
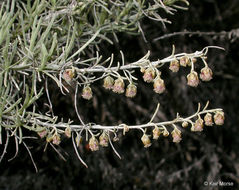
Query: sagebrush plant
[[49, 40]]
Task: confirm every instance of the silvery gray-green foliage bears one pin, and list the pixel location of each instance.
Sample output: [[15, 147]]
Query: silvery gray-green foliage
[[48, 40]]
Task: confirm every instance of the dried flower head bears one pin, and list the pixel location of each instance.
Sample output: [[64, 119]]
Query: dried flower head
[[198, 125], [131, 91], [42, 133], [146, 140], [149, 75], [68, 132], [104, 140], [176, 134], [206, 74], [184, 61], [193, 79], [174, 65], [56, 139], [219, 118], [118, 86], [68, 75], [159, 86], [184, 124], [108, 82], [208, 119], [93, 144], [87, 93], [156, 132]]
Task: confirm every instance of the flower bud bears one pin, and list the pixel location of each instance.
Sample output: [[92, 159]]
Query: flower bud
[[108, 82], [184, 61], [56, 139], [104, 140], [49, 138], [118, 86], [42, 133], [156, 133], [174, 65], [126, 129], [159, 86], [87, 93], [206, 74], [149, 75], [165, 133], [93, 144], [142, 69], [68, 75], [198, 125], [78, 140], [208, 119], [184, 124], [219, 118], [176, 134], [193, 79], [131, 91], [146, 140], [68, 132]]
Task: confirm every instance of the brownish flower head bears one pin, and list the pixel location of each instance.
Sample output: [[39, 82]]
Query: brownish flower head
[[108, 82], [104, 140], [174, 65], [156, 133], [184, 61], [176, 134], [206, 74], [68, 75], [42, 134], [146, 140], [184, 124], [149, 75], [159, 86], [193, 79], [87, 93], [131, 91], [198, 125], [93, 144], [68, 132], [219, 118], [119, 86], [208, 119], [56, 139]]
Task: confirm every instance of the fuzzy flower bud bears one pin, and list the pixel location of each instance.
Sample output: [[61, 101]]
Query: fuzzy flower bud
[[208, 119], [119, 86], [193, 79], [42, 134], [206, 74], [131, 91], [149, 75], [184, 61], [93, 144], [68, 132], [104, 140], [87, 93], [165, 133], [198, 125], [219, 118], [56, 139], [159, 86], [126, 128], [174, 65], [156, 133], [146, 140], [49, 138], [108, 82], [176, 134], [68, 75], [184, 124]]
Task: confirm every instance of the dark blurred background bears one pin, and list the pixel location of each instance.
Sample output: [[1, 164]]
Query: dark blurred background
[[208, 156]]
